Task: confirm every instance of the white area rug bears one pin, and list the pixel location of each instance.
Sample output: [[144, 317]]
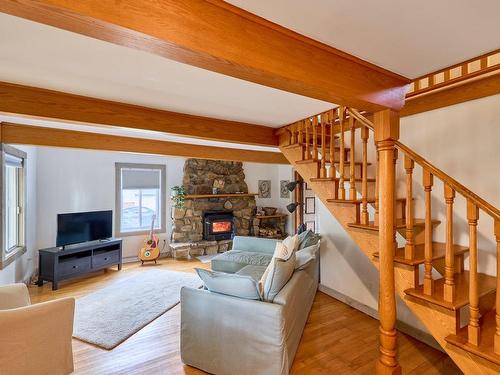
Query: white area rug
[[109, 316]]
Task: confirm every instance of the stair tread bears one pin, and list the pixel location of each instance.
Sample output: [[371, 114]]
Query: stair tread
[[357, 201], [400, 224], [438, 252], [486, 345], [486, 285]]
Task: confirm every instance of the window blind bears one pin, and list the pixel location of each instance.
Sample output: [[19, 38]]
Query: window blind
[[133, 178], [13, 161]]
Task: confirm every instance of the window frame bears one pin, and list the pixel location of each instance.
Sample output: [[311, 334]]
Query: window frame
[[118, 198], [8, 256]]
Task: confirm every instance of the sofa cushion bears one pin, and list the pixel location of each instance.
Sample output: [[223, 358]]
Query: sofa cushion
[[255, 272], [291, 242], [234, 260], [305, 256], [241, 286], [277, 274]]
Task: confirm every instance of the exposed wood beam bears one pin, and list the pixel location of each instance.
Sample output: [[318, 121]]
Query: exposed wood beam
[[32, 101], [451, 95], [222, 38], [41, 136]]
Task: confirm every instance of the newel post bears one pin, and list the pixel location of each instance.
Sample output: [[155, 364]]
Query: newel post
[[386, 133]]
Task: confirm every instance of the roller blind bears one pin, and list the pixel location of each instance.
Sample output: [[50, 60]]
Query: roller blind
[[13, 161], [133, 178]]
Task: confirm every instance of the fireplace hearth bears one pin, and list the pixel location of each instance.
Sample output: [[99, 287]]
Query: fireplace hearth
[[218, 225]]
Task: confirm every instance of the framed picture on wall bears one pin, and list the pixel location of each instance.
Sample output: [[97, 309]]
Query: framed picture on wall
[[311, 225], [264, 188], [307, 187], [284, 192], [310, 205]]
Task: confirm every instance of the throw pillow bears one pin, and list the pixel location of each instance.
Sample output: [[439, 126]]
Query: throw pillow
[[292, 242], [308, 238], [282, 251], [305, 256], [276, 276], [229, 284]]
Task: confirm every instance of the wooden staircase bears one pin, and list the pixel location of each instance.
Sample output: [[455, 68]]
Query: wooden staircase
[[459, 308]]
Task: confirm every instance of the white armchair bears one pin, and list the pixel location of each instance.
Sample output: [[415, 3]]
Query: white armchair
[[35, 339]]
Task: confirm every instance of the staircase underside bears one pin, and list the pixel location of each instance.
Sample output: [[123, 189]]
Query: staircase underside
[[439, 320]]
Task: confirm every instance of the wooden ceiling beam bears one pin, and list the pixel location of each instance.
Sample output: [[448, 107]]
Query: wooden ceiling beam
[[37, 102], [219, 37], [42, 136]]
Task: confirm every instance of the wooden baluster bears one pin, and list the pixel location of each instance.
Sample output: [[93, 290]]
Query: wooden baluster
[[465, 69], [377, 183], [342, 154], [473, 329], [293, 128], [410, 236], [332, 143], [323, 145], [315, 137], [299, 133], [365, 134], [428, 281], [307, 122], [352, 170], [449, 275], [386, 132], [497, 303]]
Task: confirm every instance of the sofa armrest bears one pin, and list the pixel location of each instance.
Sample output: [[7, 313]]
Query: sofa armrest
[[13, 296], [36, 339], [227, 335]]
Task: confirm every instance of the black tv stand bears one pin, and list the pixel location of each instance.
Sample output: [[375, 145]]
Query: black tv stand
[[56, 263]]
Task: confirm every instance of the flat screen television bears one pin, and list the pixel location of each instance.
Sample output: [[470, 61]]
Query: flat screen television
[[83, 226]]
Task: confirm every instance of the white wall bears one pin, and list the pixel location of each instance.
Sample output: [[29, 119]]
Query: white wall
[[463, 141], [22, 268], [72, 180], [274, 172]]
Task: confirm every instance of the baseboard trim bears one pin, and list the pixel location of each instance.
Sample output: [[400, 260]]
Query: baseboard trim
[[407, 329]]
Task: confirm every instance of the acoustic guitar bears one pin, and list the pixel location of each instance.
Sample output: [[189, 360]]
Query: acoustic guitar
[[150, 251]]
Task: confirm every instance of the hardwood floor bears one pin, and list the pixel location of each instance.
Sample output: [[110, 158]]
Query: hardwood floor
[[337, 339]]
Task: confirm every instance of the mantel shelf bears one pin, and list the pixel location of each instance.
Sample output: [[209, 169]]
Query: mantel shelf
[[276, 216], [206, 196]]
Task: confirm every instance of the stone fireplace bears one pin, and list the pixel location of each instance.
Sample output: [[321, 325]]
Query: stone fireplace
[[228, 215]]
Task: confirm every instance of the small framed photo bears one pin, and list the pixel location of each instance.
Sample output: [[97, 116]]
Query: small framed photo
[[284, 192], [307, 187], [311, 225], [310, 205]]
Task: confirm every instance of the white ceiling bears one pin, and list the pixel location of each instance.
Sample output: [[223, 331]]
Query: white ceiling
[[38, 55], [411, 38]]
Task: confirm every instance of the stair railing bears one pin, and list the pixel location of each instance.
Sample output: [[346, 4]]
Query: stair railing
[[475, 204], [333, 126]]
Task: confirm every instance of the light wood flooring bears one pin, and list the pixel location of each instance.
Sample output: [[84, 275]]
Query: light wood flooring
[[337, 339]]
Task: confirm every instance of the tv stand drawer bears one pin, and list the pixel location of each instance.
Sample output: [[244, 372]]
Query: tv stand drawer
[[74, 266], [105, 258]]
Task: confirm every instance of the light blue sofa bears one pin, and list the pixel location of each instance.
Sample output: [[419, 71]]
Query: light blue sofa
[[226, 335]]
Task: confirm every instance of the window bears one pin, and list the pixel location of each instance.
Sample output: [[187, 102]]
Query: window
[[140, 197], [13, 202]]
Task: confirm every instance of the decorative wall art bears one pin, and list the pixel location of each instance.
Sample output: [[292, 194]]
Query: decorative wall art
[[310, 205], [284, 192], [264, 188]]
